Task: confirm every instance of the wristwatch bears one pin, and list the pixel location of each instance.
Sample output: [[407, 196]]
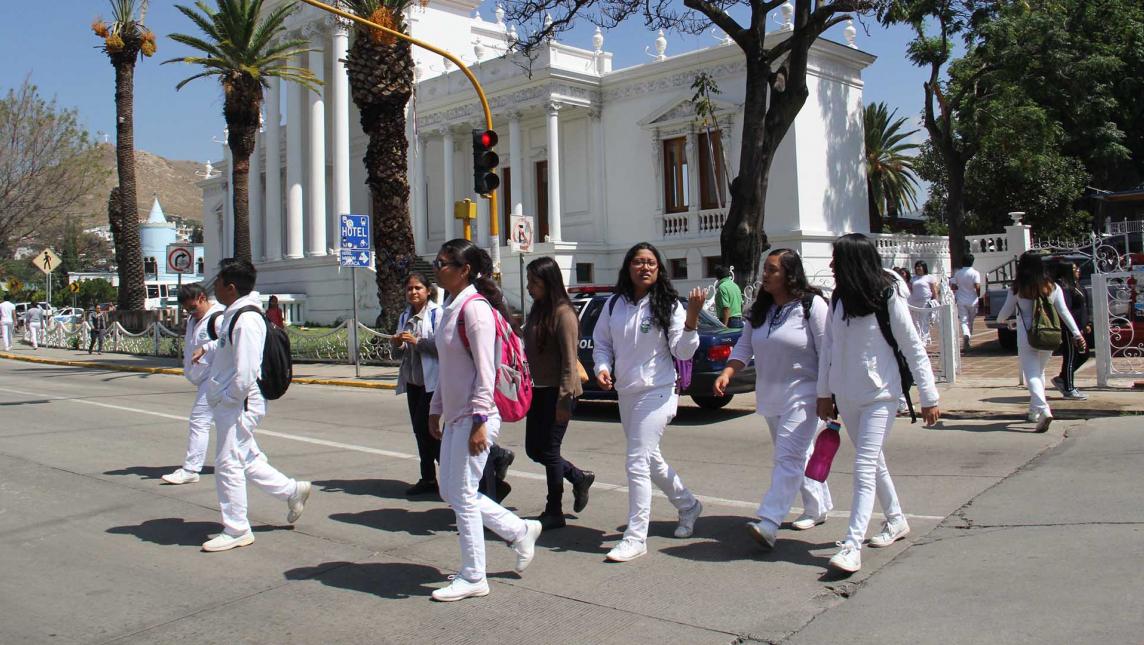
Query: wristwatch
[[479, 419]]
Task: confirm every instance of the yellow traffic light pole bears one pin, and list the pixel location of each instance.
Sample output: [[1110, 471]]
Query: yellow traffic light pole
[[494, 229]]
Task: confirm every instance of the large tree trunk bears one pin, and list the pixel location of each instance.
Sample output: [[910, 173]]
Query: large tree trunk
[[381, 81], [872, 208], [955, 207], [241, 110], [129, 247]]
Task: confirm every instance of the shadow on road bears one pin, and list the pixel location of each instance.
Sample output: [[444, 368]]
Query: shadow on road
[[384, 579], [1011, 423], [724, 538], [152, 472], [609, 412], [577, 538], [400, 520], [170, 531], [388, 488]]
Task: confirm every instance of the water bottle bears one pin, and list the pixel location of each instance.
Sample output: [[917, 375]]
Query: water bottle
[[818, 466]]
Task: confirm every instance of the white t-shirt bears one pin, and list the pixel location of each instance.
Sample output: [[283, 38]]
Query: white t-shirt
[[966, 279], [921, 290], [7, 313]]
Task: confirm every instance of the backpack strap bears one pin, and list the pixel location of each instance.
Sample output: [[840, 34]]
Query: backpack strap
[[212, 324], [612, 303], [242, 310], [461, 318], [882, 314]]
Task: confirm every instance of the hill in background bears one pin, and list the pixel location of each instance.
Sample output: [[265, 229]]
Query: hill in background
[[173, 182]]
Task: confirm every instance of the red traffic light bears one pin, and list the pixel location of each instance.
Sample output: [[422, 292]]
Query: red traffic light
[[484, 161], [487, 139]]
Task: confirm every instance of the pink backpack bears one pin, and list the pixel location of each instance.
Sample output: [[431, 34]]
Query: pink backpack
[[512, 391]]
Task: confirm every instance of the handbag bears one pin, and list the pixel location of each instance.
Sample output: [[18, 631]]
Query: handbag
[[583, 373]]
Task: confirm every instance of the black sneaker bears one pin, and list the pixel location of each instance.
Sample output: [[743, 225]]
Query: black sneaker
[[580, 491], [503, 489], [422, 487], [503, 462], [552, 520]]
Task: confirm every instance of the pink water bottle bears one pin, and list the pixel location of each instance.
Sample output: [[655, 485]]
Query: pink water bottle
[[818, 466]]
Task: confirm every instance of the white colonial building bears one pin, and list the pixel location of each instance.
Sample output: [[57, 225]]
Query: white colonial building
[[602, 158]]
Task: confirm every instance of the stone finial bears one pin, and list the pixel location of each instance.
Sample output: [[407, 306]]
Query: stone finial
[[850, 34], [660, 47], [787, 11], [499, 13], [598, 41]]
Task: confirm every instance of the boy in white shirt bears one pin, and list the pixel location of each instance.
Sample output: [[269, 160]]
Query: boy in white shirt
[[967, 290], [7, 321]]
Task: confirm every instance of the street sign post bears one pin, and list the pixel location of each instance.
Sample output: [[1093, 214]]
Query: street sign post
[[180, 260], [47, 261], [520, 239], [355, 250]]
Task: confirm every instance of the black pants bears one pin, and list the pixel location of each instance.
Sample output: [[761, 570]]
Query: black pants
[[96, 337], [1071, 360], [542, 439], [428, 448]]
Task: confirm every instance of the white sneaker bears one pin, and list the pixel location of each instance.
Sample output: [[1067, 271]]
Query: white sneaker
[[687, 520], [525, 547], [224, 542], [762, 533], [891, 532], [848, 559], [1043, 422], [1031, 416], [1059, 383], [1076, 395], [181, 476], [297, 502], [806, 521], [627, 549], [459, 589]]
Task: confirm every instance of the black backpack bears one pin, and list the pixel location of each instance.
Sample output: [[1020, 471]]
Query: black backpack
[[212, 332], [883, 316], [277, 365]]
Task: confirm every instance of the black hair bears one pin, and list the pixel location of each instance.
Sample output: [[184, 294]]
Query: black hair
[[923, 265], [796, 284], [7, 296], [190, 292], [903, 273], [464, 252], [967, 260], [1065, 276], [860, 281], [664, 297], [241, 273], [1031, 280], [721, 272], [542, 316], [423, 279]]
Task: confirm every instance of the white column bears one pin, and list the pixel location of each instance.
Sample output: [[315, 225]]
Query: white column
[[316, 213], [273, 203], [341, 106], [294, 195], [447, 179], [600, 166], [254, 191], [691, 150], [516, 163], [228, 208], [553, 109], [420, 199]]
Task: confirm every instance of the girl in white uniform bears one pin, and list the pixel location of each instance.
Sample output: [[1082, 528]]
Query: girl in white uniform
[[1030, 283], [464, 417], [923, 292], [783, 336], [641, 329], [858, 366]]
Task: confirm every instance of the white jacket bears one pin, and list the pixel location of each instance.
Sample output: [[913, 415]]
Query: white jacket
[[236, 366], [466, 375], [198, 336], [857, 364], [627, 340], [7, 313], [426, 349]]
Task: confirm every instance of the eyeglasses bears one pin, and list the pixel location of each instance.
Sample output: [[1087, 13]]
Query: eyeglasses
[[643, 262], [438, 264]]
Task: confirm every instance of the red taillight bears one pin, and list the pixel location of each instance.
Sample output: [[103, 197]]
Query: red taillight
[[718, 353]]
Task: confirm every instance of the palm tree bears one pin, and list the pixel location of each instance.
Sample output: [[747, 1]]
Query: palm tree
[[380, 69], [891, 181], [243, 50], [123, 42]]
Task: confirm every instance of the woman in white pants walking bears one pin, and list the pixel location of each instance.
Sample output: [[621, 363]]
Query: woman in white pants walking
[[1031, 283], [464, 417], [923, 299], [641, 329], [785, 330], [858, 366]]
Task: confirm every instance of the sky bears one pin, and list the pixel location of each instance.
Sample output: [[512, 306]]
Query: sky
[[58, 51]]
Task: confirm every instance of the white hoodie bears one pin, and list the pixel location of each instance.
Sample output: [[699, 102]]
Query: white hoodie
[[198, 336], [627, 338], [237, 365]]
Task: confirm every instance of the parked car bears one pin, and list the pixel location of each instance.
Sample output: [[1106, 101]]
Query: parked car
[[715, 344], [998, 292], [70, 315]]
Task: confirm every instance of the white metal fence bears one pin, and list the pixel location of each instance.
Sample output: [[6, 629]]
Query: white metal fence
[[1119, 345]]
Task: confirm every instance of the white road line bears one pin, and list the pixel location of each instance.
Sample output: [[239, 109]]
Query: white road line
[[516, 472]]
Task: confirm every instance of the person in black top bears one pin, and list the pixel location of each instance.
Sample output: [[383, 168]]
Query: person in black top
[[1067, 276]]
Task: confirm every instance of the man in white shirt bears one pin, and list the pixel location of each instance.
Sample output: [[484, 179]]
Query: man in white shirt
[[204, 320], [966, 283], [34, 318], [7, 321]]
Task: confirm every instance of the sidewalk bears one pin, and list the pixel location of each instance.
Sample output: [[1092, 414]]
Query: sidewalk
[[372, 376]]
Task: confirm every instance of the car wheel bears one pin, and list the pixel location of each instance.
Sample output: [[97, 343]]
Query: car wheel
[[1008, 339], [711, 402]]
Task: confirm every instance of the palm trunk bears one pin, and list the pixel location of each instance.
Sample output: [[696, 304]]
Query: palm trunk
[[129, 247], [241, 109], [872, 207]]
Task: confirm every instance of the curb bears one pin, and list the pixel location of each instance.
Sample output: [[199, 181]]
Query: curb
[[174, 371]]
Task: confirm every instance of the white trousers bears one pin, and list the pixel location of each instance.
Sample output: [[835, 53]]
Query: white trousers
[[965, 315], [459, 477], [34, 332], [645, 416], [238, 460], [793, 435], [199, 431], [8, 332], [868, 424], [923, 321], [1033, 362]]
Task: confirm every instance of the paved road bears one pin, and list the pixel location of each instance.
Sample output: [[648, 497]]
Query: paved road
[[94, 549]]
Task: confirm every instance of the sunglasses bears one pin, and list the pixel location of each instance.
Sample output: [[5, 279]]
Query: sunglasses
[[439, 264]]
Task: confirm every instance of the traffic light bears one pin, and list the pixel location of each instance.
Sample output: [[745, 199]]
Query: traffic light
[[485, 160]]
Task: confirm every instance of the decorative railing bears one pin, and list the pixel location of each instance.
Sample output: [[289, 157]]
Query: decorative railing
[[704, 223], [711, 221], [673, 225], [985, 244]]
